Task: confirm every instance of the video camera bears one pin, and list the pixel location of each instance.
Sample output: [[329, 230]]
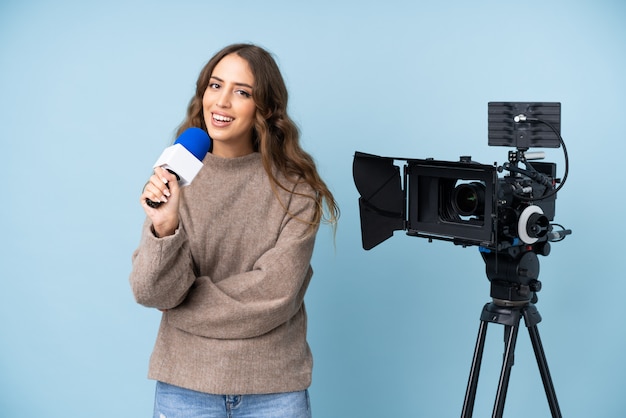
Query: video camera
[[465, 202]]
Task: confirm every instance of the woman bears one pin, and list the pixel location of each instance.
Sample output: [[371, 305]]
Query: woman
[[227, 258]]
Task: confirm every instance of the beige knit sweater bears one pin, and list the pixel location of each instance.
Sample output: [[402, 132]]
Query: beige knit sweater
[[232, 279]]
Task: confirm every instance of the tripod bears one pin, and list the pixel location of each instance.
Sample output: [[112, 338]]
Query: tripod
[[513, 298]]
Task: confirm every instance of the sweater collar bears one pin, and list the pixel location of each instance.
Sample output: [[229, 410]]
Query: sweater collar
[[228, 163]]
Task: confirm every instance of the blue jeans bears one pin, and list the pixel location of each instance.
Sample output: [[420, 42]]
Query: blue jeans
[[175, 402]]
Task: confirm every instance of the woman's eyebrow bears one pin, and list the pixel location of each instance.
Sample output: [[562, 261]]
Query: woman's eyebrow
[[237, 84]]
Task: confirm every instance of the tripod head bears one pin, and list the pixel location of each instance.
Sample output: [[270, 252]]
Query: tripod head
[[513, 275]]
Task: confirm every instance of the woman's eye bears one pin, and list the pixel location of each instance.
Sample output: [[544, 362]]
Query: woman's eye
[[214, 86], [244, 93]]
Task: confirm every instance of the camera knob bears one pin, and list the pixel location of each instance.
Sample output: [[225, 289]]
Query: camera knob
[[535, 285]]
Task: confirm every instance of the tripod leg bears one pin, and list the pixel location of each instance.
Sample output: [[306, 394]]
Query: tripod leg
[[510, 333], [542, 362], [472, 384]]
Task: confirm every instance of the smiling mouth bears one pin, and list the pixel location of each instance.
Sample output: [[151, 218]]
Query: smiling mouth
[[221, 118]]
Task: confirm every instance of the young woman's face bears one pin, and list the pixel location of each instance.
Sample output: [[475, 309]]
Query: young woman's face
[[229, 108]]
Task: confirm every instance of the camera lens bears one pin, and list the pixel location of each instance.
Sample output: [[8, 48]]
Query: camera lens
[[469, 199]]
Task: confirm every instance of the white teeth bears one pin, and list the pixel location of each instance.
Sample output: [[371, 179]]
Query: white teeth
[[222, 118]]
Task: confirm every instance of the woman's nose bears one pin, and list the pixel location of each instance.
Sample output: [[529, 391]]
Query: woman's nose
[[223, 100]]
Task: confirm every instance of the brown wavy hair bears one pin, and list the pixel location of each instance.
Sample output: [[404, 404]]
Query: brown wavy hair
[[276, 137]]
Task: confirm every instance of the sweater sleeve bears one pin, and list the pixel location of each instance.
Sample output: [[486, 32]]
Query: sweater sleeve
[[162, 269], [255, 302]]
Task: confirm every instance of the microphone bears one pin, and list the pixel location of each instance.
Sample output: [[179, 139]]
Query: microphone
[[184, 157]]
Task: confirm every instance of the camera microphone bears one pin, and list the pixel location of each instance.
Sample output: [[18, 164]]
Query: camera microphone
[[537, 155]]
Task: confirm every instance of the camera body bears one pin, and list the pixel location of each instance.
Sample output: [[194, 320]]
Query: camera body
[[463, 202], [468, 203]]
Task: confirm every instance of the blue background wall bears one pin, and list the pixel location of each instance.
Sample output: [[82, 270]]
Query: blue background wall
[[90, 94]]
